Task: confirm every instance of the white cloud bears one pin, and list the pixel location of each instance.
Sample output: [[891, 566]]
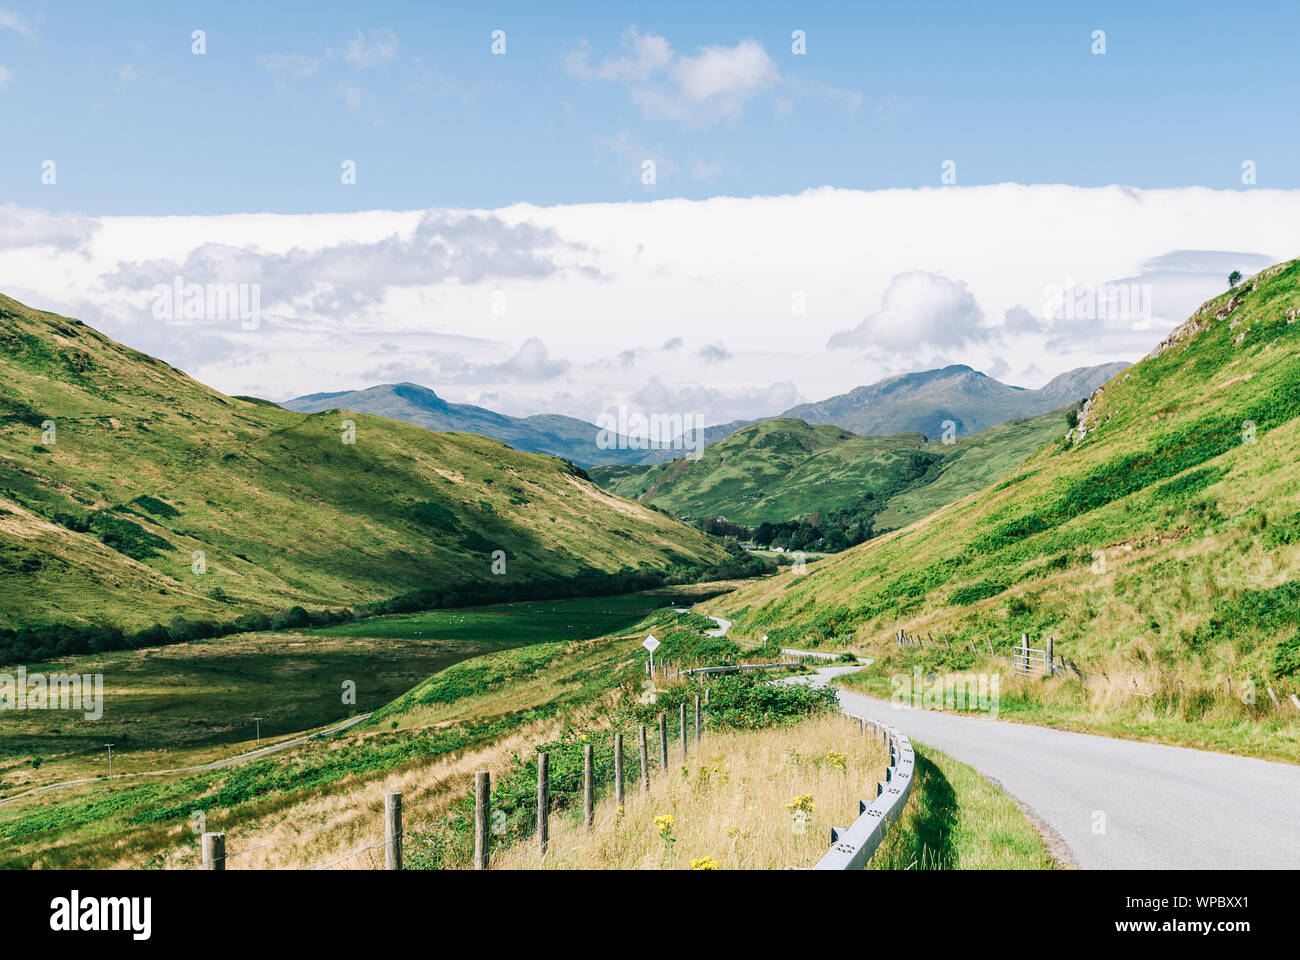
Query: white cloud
[[918, 309], [370, 50], [22, 227], [712, 85], [342, 278], [128, 73], [593, 281], [12, 21], [531, 364]]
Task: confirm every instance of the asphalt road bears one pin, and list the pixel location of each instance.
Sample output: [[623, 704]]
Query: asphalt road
[[1119, 804]]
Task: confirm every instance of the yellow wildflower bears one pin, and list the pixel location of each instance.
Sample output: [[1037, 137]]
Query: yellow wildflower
[[802, 802], [705, 863]]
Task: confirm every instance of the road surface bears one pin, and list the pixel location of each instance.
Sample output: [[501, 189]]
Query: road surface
[[1118, 804]]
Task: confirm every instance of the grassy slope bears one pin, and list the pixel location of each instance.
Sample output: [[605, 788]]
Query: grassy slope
[[785, 469], [974, 463], [285, 512], [1199, 530], [781, 469]]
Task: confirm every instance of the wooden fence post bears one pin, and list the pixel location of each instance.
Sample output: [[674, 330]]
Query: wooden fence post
[[214, 851], [682, 723], [645, 763], [1049, 666], [543, 802], [392, 831], [482, 838], [618, 769], [588, 788], [697, 719], [663, 742]]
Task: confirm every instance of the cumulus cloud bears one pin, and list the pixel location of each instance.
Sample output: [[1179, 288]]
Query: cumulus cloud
[[444, 246], [533, 363], [918, 309], [22, 227], [712, 85], [674, 343]]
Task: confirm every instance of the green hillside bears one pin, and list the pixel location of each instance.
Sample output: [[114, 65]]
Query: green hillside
[[973, 464], [784, 469], [116, 469], [779, 469], [1159, 544]]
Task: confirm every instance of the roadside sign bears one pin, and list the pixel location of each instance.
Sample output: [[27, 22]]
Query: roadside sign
[[651, 644]]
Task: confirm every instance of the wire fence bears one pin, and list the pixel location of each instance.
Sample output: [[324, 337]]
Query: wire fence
[[553, 787]]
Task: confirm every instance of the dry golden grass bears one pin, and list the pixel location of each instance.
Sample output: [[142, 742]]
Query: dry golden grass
[[728, 801], [324, 830]]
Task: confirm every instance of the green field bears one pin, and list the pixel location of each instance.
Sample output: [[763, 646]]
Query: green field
[[194, 702]]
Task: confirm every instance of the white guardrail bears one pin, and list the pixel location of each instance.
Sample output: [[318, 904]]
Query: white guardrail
[[852, 847]]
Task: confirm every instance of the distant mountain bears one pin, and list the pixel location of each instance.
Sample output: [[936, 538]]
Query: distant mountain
[[568, 437], [921, 402], [910, 403], [559, 436]]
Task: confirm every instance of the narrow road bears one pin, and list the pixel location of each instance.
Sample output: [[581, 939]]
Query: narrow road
[[724, 625], [1119, 804], [214, 765]]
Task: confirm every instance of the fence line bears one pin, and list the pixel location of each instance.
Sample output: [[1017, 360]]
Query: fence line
[[213, 844]]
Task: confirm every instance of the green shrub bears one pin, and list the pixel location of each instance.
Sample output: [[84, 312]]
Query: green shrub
[[975, 592]]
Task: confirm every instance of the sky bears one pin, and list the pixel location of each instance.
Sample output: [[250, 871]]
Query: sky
[[718, 210]]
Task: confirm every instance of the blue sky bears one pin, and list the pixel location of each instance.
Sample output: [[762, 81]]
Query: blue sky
[[411, 92], [798, 238]]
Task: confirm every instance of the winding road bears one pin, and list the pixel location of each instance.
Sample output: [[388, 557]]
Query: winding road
[[1106, 803], [1118, 804]]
